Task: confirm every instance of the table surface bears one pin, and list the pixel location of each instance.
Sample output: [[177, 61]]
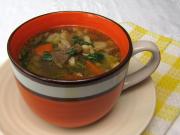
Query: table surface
[[159, 16]]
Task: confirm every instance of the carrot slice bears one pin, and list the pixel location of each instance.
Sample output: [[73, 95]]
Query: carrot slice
[[94, 68], [43, 48]]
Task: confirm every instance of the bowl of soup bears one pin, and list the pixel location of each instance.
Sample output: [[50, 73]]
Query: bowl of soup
[[70, 66]]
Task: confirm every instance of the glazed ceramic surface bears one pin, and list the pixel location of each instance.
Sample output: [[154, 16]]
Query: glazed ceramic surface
[[130, 116]]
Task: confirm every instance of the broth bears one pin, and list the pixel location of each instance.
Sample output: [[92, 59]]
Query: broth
[[69, 53]]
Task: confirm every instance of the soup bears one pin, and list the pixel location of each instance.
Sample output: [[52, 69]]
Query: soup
[[69, 53]]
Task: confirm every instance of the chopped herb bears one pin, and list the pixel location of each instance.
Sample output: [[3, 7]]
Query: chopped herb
[[71, 52], [81, 65], [55, 46], [86, 43], [47, 56], [96, 57], [80, 41], [24, 57]]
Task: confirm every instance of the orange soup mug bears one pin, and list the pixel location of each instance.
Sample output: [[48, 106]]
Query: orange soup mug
[[79, 102]]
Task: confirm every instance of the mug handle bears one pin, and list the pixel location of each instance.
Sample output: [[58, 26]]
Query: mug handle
[[147, 69]]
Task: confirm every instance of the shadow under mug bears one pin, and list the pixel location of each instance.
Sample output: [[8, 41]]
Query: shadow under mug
[[80, 102]]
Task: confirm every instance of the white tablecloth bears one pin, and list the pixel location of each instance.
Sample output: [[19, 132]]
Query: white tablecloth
[[160, 16]]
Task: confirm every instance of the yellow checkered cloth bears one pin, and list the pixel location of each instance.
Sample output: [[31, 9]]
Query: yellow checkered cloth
[[166, 78]]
